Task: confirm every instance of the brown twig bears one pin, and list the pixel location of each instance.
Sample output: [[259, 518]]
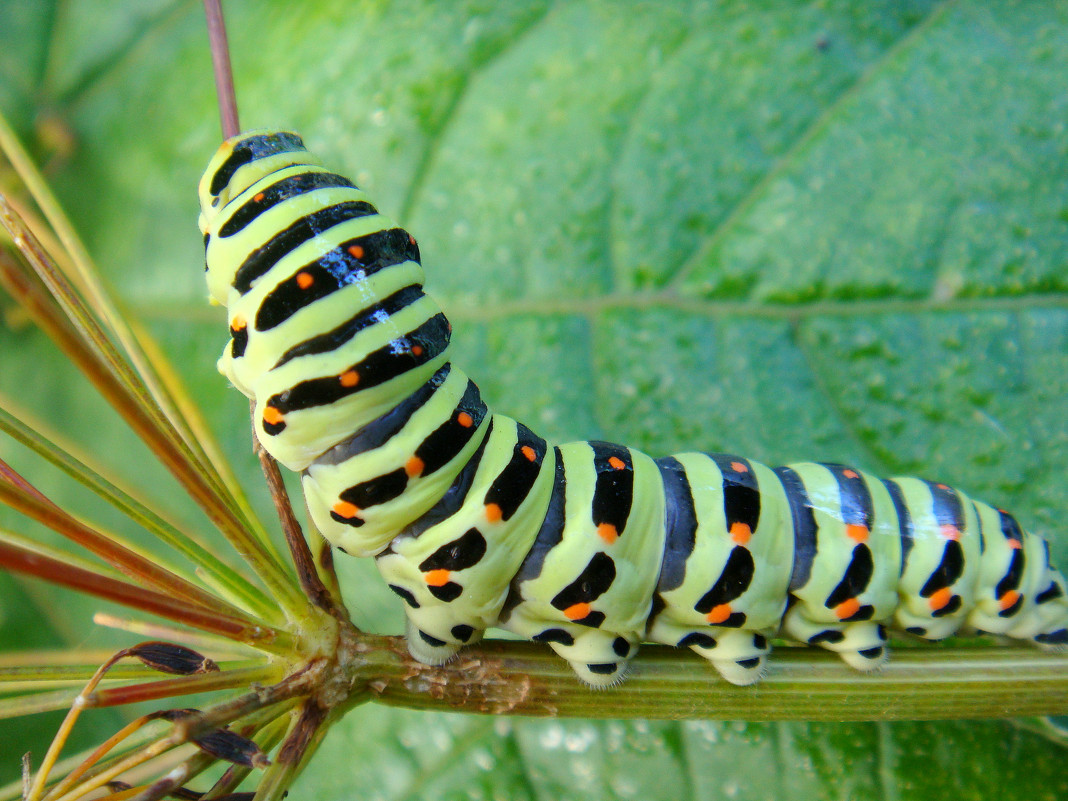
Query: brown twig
[[301, 742], [307, 575], [296, 745]]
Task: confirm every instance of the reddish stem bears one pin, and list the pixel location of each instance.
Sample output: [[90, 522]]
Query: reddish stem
[[20, 495], [59, 572], [307, 575], [183, 685], [224, 75]]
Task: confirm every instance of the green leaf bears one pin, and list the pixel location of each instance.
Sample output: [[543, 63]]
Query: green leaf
[[829, 231]]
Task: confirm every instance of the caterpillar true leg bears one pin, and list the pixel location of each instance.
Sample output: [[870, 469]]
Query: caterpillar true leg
[[590, 547]]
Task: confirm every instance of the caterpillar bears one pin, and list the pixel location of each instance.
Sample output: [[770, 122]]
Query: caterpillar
[[592, 547]]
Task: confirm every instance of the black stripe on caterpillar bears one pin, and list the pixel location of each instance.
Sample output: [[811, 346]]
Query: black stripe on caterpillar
[[592, 547]]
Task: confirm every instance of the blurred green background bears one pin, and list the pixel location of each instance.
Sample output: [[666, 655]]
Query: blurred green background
[[825, 230]]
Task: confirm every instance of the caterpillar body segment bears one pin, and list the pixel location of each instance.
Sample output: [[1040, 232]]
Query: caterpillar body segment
[[728, 561], [607, 548], [453, 564], [406, 467], [589, 547]]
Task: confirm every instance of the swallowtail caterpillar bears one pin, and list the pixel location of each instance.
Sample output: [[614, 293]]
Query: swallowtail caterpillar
[[475, 521]]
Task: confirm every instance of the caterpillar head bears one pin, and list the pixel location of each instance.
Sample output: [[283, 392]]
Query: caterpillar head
[[239, 163]]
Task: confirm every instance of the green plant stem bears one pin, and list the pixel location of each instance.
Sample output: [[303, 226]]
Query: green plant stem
[[262, 637], [257, 673], [20, 496], [77, 335], [251, 596], [17, 677], [923, 683], [13, 791], [169, 396], [25, 543], [89, 331], [218, 647]]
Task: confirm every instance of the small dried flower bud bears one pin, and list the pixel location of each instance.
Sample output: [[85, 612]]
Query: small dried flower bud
[[168, 657], [231, 747]]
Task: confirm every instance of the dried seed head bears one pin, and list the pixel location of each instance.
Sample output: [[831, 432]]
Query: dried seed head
[[168, 657], [232, 747]]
